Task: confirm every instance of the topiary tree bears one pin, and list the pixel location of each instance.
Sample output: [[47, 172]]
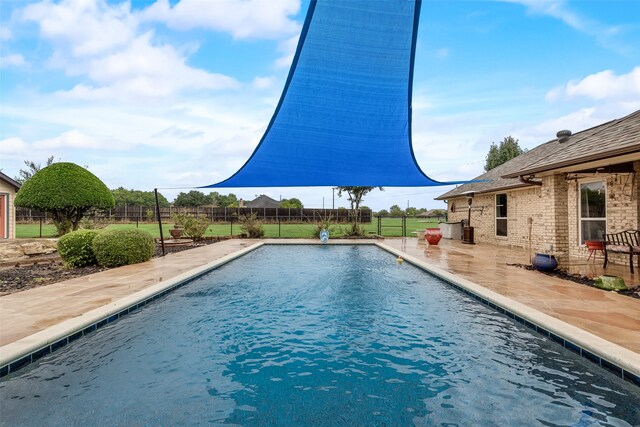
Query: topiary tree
[[66, 191]]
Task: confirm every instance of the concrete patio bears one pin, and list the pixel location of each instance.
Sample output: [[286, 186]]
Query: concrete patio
[[607, 315]]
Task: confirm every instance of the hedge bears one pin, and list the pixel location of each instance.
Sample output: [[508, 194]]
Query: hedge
[[114, 248]]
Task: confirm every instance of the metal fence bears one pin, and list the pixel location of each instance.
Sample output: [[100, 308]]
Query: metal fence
[[267, 215]]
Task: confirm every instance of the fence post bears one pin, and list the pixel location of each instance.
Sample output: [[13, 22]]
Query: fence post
[[41, 226], [279, 227], [404, 226], [379, 225], [231, 226]]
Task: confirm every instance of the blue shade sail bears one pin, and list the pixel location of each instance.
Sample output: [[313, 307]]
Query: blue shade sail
[[344, 117]]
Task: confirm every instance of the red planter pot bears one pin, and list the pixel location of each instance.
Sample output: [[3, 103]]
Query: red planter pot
[[433, 235]]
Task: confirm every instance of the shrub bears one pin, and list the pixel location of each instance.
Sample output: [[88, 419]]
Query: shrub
[[250, 226], [324, 224], [194, 226], [355, 230], [76, 248], [114, 248]]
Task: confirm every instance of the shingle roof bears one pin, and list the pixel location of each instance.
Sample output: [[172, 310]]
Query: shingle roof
[[614, 138], [262, 201], [617, 137]]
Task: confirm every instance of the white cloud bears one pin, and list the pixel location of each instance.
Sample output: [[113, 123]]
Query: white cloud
[[263, 82], [241, 19], [558, 9], [605, 85], [13, 60], [11, 146], [288, 51], [100, 42], [5, 33], [86, 27], [442, 53], [71, 139]]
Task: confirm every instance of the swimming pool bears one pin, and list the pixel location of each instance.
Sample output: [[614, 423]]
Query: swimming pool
[[324, 335]]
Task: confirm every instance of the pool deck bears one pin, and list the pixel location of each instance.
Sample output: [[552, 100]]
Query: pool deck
[[29, 315]]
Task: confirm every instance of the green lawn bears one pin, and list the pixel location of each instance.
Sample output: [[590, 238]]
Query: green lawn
[[391, 227]]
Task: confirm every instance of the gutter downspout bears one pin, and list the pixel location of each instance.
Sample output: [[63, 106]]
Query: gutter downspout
[[528, 180]]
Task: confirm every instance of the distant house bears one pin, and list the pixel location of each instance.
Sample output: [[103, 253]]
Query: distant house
[[561, 193], [8, 189], [262, 201]]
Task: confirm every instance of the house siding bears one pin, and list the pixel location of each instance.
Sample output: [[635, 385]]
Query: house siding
[[10, 191], [553, 210]]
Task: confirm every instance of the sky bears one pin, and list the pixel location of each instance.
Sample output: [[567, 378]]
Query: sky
[[177, 94]]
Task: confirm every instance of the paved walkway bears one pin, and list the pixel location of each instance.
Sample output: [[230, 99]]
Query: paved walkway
[[613, 317]]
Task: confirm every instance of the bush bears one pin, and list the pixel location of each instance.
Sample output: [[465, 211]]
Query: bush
[[250, 226], [325, 224], [114, 248], [76, 248], [194, 226]]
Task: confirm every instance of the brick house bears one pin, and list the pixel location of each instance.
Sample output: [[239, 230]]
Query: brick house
[[8, 189], [561, 193]]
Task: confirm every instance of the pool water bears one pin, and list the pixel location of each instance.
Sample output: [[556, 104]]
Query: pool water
[[316, 335]]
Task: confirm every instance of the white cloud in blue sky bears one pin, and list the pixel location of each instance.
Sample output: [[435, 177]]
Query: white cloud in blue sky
[[178, 93]]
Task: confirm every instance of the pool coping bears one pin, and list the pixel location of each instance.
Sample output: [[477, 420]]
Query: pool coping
[[617, 359]]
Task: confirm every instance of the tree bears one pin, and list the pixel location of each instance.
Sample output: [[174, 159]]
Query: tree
[[292, 203], [395, 210], [507, 150], [66, 191], [223, 201], [32, 168], [192, 198], [383, 213], [355, 196], [126, 197], [411, 211]]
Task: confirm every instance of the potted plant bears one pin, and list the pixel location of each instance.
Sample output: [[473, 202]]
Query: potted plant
[[176, 231], [544, 261], [433, 235]]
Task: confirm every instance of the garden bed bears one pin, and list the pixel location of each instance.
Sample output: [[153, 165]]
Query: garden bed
[[42, 272], [633, 292]]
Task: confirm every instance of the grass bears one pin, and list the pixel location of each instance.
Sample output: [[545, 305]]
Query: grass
[[391, 227]]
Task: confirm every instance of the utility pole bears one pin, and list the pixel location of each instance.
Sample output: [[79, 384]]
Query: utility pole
[[333, 204], [322, 202]]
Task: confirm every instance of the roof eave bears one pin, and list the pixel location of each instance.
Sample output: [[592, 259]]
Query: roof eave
[[575, 162], [487, 191]]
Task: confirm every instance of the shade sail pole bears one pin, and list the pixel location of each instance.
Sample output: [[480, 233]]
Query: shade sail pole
[[155, 192]]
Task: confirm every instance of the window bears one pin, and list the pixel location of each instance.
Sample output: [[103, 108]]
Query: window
[[501, 214], [593, 211]]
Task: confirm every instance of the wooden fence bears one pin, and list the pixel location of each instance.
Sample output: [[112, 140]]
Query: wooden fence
[[269, 215]]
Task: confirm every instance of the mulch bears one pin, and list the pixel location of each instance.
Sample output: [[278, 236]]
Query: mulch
[[26, 276], [633, 292]]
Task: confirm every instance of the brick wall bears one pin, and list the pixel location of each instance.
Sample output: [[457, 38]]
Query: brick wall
[[553, 212], [623, 209]]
